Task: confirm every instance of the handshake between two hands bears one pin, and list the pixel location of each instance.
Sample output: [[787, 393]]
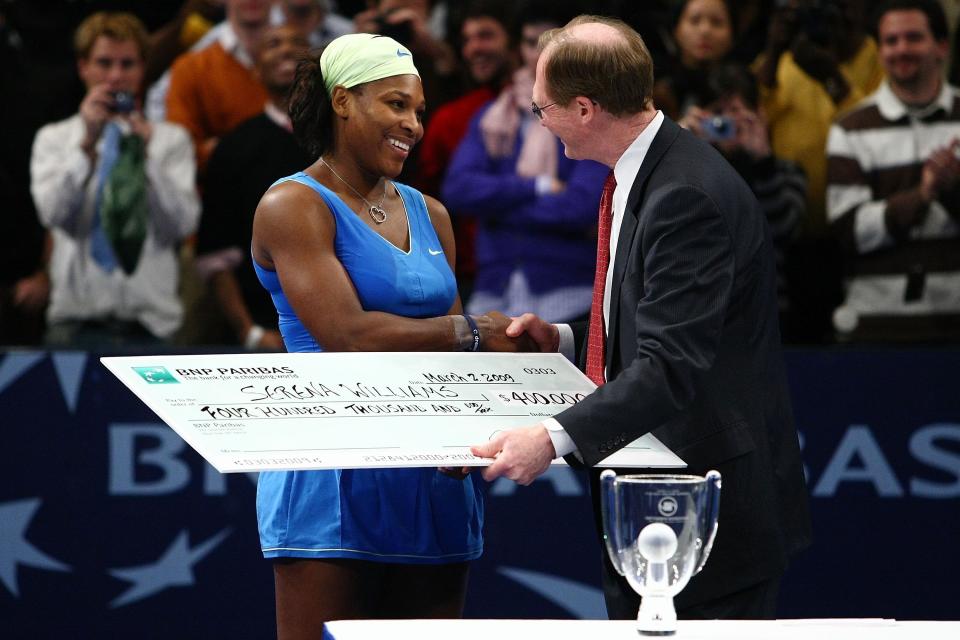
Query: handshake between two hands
[[524, 453], [521, 334]]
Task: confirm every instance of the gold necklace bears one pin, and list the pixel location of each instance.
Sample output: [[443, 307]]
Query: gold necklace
[[375, 210]]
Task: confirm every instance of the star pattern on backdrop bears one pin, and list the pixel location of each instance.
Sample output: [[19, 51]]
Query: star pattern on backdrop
[[15, 549], [174, 568], [583, 601], [68, 366]]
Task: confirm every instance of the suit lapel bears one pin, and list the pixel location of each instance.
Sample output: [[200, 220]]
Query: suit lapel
[[661, 142]]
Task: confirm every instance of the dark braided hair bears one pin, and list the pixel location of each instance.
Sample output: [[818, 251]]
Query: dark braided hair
[[311, 111]]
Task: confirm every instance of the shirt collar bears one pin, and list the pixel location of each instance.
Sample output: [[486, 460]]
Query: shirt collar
[[279, 117], [231, 44], [629, 163], [892, 108]]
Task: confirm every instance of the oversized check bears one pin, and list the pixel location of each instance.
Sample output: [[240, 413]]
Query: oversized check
[[275, 411]]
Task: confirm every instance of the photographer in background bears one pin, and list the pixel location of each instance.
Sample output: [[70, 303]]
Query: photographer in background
[[729, 117], [117, 193], [818, 63], [408, 22]]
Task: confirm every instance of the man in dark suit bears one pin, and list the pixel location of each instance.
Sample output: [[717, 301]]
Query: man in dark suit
[[683, 339]]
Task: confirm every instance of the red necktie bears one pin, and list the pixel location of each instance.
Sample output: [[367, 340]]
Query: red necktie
[[597, 339]]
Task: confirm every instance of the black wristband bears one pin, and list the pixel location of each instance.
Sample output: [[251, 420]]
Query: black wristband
[[475, 331]]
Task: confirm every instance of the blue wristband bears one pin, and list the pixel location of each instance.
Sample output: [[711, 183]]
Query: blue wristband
[[475, 331]]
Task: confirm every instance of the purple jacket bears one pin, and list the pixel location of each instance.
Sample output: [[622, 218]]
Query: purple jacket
[[551, 237]]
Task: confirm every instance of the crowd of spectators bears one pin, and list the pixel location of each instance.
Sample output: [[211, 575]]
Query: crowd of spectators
[[138, 138]]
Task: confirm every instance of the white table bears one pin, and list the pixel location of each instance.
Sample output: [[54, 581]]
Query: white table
[[812, 629]]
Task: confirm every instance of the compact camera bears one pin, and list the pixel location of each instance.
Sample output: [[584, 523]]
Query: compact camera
[[717, 128], [123, 102]]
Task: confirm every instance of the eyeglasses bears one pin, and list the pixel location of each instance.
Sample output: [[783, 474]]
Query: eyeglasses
[[538, 111]]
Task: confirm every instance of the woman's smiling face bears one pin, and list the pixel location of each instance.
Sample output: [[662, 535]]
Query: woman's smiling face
[[385, 122]]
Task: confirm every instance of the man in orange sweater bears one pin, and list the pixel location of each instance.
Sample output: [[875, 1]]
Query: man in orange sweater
[[215, 89]]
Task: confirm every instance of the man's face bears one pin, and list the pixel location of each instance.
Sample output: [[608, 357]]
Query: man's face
[[486, 49], [910, 54], [249, 13], [281, 48], [116, 63], [306, 15], [529, 38], [560, 120]]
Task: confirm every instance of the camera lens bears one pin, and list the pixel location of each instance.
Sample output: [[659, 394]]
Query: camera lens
[[123, 102]]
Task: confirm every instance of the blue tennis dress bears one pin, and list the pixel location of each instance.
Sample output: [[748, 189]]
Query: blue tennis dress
[[384, 515]]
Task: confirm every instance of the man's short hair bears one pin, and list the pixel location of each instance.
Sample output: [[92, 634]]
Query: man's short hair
[[936, 17], [119, 26], [617, 75]]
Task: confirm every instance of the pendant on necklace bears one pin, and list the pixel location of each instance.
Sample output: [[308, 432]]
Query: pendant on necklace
[[379, 215]]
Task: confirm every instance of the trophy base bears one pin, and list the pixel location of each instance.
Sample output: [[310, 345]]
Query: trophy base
[[657, 616]]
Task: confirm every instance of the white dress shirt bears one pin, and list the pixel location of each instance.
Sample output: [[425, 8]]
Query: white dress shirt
[[64, 185], [625, 171]]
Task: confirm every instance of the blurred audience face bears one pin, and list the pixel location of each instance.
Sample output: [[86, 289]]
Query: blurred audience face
[[910, 54], [421, 7], [486, 49], [306, 15], [704, 33], [117, 63], [250, 13], [529, 36], [281, 48]]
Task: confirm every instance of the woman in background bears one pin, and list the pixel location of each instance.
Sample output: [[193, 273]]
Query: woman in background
[[703, 32]]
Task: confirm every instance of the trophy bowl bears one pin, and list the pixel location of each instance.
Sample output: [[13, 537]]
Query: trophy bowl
[[658, 530]]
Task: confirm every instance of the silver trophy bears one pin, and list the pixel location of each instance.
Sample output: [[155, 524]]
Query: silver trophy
[[659, 530]]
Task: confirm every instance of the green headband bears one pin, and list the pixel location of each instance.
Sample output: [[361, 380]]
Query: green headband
[[357, 58]]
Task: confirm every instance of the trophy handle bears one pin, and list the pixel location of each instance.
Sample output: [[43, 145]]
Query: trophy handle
[[713, 483], [609, 509]]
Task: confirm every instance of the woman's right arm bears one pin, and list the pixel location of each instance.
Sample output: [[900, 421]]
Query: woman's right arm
[[293, 233]]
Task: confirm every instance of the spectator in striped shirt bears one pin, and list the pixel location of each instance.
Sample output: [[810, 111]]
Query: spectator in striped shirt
[[728, 115], [893, 194]]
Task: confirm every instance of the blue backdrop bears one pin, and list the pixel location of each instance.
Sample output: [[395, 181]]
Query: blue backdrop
[[111, 525]]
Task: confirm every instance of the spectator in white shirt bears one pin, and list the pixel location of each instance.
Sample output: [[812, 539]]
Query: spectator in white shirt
[[117, 193]]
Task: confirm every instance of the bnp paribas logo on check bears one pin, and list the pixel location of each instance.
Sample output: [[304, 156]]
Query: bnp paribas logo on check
[[156, 375]]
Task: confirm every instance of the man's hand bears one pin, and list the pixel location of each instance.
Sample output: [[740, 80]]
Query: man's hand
[[139, 125], [520, 454], [752, 134], [493, 334], [693, 118], [544, 334], [31, 293], [95, 111], [941, 171]]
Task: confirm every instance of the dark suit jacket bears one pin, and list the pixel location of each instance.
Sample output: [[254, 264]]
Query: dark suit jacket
[[693, 356]]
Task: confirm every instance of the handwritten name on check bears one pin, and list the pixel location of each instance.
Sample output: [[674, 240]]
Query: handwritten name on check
[[285, 411]]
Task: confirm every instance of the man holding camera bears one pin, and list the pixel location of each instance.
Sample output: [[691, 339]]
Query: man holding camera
[[117, 193], [893, 195]]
